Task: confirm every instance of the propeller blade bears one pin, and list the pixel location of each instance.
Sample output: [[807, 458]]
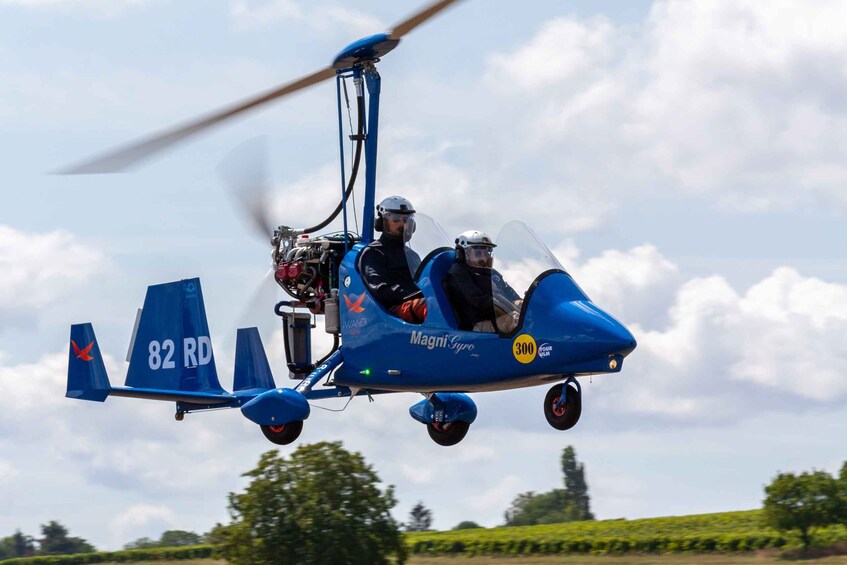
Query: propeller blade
[[245, 173], [417, 19], [125, 157], [258, 311]]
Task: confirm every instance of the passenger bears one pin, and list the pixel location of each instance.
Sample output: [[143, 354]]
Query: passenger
[[482, 300], [386, 264]]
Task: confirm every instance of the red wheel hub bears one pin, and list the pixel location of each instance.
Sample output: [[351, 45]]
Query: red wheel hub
[[558, 409], [277, 429]]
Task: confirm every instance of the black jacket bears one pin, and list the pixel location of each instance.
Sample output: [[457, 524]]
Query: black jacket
[[470, 292], [386, 265]]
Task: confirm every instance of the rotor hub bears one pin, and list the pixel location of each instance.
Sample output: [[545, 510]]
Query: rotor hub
[[369, 48]]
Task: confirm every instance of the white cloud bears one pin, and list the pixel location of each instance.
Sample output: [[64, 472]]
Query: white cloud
[[100, 8], [734, 101], [418, 475], [634, 285], [324, 18], [777, 336], [249, 15], [498, 497], [562, 50], [41, 269], [7, 472], [142, 520]]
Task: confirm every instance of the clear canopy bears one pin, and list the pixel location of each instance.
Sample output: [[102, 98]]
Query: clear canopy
[[519, 258], [426, 237]]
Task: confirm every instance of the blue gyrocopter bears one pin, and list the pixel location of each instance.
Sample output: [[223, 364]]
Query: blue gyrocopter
[[560, 334]]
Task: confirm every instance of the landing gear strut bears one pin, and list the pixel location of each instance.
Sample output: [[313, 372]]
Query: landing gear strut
[[284, 434], [446, 415], [563, 404]]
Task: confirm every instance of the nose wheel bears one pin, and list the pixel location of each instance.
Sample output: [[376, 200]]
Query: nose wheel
[[563, 413], [448, 433], [284, 434]]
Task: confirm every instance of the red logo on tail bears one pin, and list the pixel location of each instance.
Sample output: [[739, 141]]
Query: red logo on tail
[[354, 306], [83, 353]]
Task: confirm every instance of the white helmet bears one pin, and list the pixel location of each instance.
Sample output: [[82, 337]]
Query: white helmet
[[395, 206], [475, 247]]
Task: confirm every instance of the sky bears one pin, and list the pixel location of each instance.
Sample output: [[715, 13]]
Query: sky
[[684, 160]]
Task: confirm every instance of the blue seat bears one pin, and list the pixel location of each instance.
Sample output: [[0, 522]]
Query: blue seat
[[431, 282]]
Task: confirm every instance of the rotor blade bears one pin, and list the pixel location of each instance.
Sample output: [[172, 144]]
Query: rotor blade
[[245, 172], [414, 21], [122, 158]]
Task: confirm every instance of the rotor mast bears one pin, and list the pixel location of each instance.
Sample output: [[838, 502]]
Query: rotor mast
[[360, 58]]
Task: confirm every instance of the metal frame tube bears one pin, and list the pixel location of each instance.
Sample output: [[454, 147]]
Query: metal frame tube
[[373, 82], [338, 79]]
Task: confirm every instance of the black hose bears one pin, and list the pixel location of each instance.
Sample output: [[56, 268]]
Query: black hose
[[360, 138], [335, 343]]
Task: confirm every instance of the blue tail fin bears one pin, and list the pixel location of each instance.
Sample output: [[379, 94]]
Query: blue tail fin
[[252, 369], [172, 349], [87, 379]]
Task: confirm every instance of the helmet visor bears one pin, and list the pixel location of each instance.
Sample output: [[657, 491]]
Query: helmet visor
[[397, 216], [479, 256], [399, 224]]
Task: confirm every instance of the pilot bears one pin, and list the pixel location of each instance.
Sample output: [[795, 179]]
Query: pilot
[[386, 263], [475, 287]]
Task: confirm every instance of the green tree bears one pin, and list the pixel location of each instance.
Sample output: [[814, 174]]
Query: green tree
[[842, 491], [320, 505], [529, 509], [577, 501], [558, 505], [55, 541], [466, 525], [17, 545], [177, 538], [141, 543], [22, 545], [420, 519], [803, 503]]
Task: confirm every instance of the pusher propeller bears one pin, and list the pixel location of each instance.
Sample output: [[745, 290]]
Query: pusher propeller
[[245, 173], [125, 157]]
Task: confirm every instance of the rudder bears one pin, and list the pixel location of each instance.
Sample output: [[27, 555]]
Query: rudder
[[87, 379], [172, 349], [252, 369]]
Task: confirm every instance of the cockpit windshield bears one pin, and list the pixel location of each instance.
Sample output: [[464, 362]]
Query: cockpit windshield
[[426, 236], [514, 262], [521, 256]]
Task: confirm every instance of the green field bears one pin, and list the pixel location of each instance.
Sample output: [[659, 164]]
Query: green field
[[725, 532], [757, 558], [723, 538], [697, 559]]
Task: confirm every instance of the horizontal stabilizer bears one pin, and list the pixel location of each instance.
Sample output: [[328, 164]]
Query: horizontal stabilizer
[[172, 350], [175, 395], [252, 369], [87, 379]]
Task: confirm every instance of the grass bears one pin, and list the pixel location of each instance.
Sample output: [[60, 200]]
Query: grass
[[760, 558]]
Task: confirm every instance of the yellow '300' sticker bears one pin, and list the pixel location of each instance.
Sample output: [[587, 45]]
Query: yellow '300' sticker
[[524, 348]]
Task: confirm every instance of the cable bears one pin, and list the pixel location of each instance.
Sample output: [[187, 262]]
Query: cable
[[360, 138]]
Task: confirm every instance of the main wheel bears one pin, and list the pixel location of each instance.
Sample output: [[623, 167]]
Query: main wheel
[[448, 433], [284, 434], [566, 416]]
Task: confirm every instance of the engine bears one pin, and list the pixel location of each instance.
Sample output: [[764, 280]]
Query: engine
[[307, 267]]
